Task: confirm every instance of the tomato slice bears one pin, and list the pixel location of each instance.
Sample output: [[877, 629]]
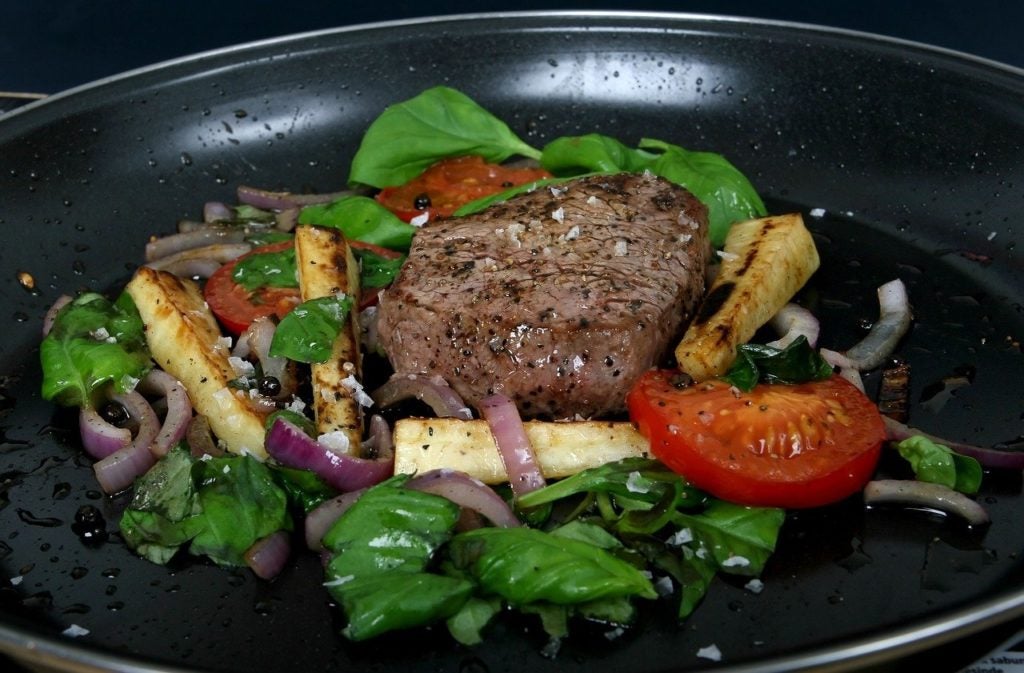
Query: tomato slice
[[236, 307], [802, 445], [451, 183]]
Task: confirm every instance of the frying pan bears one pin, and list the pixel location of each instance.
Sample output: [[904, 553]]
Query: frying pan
[[905, 161]]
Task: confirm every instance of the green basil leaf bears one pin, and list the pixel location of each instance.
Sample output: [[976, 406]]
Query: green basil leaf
[[692, 572], [525, 565], [467, 625], [93, 344], [440, 122], [939, 464], [376, 270], [739, 539], [307, 332], [593, 153], [363, 219], [267, 269], [757, 363], [304, 489], [376, 604], [718, 184]]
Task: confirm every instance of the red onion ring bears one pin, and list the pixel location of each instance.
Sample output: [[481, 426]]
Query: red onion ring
[[502, 416], [322, 517], [268, 556], [51, 313], [118, 471], [433, 390], [846, 368], [100, 438], [925, 494], [287, 220], [291, 447], [165, 246], [219, 253], [179, 409], [256, 340], [793, 321], [893, 322], [993, 458], [269, 200], [216, 211], [468, 493]]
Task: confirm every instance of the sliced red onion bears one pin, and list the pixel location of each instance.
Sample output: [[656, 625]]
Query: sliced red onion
[[165, 246], [200, 261], [268, 556], [269, 200], [118, 471], [793, 321], [521, 466], [179, 409], [200, 438], [99, 437], [216, 211], [433, 390], [291, 447], [468, 493], [51, 313], [287, 220], [255, 341], [925, 494], [993, 458], [846, 368], [893, 322], [321, 518]]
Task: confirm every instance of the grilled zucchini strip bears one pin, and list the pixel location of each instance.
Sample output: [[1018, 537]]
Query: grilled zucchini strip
[[185, 340], [562, 449], [327, 267], [764, 263]]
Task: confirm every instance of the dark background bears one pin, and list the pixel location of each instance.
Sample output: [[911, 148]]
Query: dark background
[[48, 46]]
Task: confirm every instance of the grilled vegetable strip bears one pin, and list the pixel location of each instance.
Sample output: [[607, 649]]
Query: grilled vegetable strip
[[326, 268], [764, 263], [562, 449], [186, 342]]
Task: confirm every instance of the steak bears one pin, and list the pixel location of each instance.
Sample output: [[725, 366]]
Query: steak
[[559, 298]]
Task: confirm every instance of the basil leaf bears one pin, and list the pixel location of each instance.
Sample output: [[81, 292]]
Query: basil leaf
[[524, 566], [304, 489], [939, 464], [725, 191], [307, 332], [440, 122], [467, 625], [796, 363], [739, 539], [376, 270], [93, 344], [219, 508], [376, 604], [593, 153], [692, 572], [362, 219], [267, 269], [241, 504], [718, 184]]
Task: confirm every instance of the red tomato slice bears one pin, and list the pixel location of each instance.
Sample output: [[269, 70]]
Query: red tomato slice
[[791, 446], [451, 183], [236, 307]]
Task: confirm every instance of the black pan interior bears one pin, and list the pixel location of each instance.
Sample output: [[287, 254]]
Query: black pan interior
[[904, 160]]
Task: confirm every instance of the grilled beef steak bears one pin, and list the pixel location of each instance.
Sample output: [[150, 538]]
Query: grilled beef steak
[[559, 298]]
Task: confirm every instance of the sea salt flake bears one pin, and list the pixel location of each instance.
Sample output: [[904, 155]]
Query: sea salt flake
[[710, 652], [573, 233], [621, 249], [664, 586], [727, 256], [556, 192], [754, 586], [736, 562], [593, 200], [420, 220], [817, 212], [680, 537], [558, 215], [358, 393], [16, 580], [336, 441], [74, 631], [241, 367], [635, 483]]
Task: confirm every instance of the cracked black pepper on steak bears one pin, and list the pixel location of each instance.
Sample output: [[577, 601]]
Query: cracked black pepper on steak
[[559, 298]]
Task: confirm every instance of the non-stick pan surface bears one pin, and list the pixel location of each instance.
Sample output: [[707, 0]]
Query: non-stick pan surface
[[905, 161]]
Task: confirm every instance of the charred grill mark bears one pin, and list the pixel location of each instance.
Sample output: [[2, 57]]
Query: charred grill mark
[[713, 302], [753, 249]]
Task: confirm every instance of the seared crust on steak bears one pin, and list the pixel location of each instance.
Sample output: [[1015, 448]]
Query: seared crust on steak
[[560, 298]]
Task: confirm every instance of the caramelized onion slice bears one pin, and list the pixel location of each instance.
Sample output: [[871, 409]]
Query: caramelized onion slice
[[521, 466]]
